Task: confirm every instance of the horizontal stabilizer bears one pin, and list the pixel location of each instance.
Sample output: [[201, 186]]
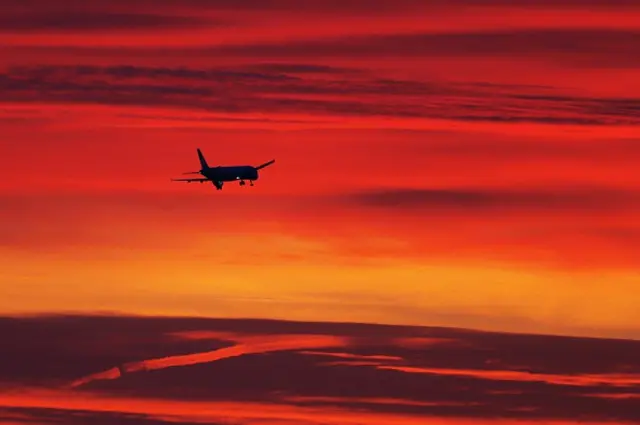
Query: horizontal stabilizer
[[266, 164], [191, 180]]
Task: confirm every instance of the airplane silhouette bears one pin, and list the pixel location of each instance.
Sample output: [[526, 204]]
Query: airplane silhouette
[[218, 175]]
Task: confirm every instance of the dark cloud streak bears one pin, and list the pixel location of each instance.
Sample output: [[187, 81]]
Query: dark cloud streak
[[98, 21], [580, 46], [479, 199], [290, 89], [75, 341], [336, 6], [53, 416]]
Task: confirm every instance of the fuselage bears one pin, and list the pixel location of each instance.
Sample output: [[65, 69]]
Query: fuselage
[[232, 173]]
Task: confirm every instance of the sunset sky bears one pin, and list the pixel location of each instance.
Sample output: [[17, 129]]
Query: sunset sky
[[456, 163]]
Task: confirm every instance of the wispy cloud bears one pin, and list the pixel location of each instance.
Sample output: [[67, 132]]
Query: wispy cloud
[[253, 346], [43, 405], [616, 380], [551, 199], [90, 21], [579, 46], [351, 356], [552, 225], [290, 89]]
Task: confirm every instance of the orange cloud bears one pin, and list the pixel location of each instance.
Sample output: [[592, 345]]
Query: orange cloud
[[611, 379], [243, 412], [351, 356], [249, 345], [615, 396], [374, 400]]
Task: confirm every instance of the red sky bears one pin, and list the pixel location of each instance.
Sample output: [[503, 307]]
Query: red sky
[[455, 163]]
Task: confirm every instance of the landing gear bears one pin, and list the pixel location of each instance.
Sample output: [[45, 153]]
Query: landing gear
[[242, 183], [250, 182]]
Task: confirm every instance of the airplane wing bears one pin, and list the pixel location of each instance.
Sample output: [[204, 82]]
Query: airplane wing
[[266, 164], [191, 180]]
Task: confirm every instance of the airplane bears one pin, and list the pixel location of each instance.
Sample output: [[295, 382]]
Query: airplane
[[220, 174]]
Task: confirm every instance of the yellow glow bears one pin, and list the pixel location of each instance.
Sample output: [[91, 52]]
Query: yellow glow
[[211, 282]]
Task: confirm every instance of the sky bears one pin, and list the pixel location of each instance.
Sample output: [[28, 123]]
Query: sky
[[466, 164]]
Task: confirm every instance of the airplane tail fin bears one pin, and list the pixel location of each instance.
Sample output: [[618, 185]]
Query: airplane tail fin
[[266, 164], [203, 162]]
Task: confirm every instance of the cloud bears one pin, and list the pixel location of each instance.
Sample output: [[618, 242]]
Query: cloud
[[89, 21], [615, 380], [269, 368], [578, 46], [291, 89], [329, 5], [62, 415], [303, 68], [351, 356], [553, 226], [253, 346], [582, 199], [310, 411]]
